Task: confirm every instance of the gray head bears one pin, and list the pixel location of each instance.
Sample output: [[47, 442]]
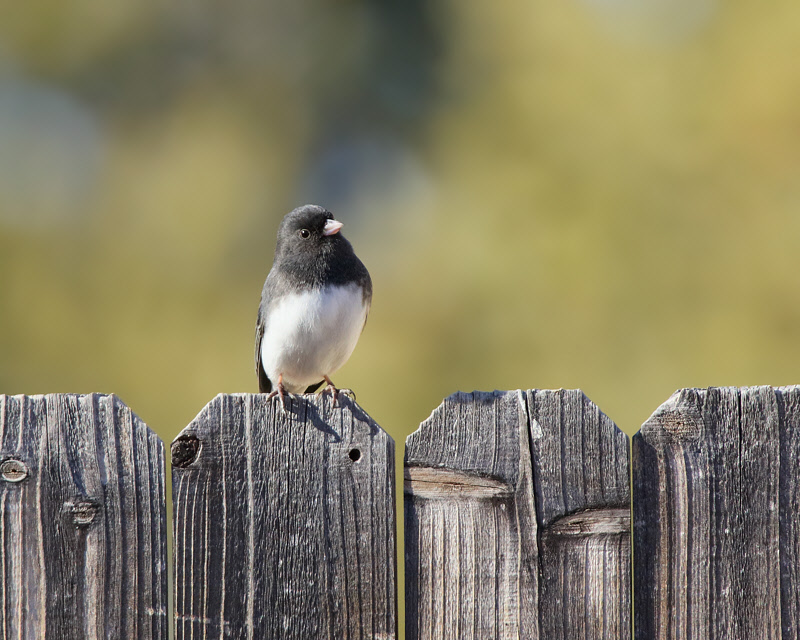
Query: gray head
[[309, 230]]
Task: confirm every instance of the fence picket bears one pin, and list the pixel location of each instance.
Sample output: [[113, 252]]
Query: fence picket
[[83, 520], [716, 483], [284, 522]]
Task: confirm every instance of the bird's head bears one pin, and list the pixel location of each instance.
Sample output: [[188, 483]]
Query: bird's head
[[308, 230]]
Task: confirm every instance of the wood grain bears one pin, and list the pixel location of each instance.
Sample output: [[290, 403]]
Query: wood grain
[[83, 520], [716, 539], [517, 520], [284, 523], [581, 471]]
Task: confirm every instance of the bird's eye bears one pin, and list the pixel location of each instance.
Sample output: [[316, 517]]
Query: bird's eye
[[305, 233]]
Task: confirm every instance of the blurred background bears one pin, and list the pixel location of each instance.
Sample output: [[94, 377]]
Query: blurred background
[[602, 194]]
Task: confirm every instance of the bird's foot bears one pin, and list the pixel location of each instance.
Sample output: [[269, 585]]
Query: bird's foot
[[281, 392], [334, 391], [331, 388]]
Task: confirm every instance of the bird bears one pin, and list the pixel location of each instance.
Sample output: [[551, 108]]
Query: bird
[[314, 305]]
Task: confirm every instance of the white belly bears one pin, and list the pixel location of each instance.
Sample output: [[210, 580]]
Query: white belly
[[310, 335]]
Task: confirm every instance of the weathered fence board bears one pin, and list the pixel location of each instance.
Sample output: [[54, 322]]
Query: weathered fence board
[[581, 472], [517, 520], [82, 519], [284, 522], [716, 495]]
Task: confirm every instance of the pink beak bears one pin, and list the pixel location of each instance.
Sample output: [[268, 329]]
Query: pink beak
[[331, 227]]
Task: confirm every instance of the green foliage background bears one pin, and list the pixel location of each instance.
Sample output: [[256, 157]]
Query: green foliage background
[[591, 193]]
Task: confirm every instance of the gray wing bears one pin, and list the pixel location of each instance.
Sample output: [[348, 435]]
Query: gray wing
[[366, 283], [264, 383]]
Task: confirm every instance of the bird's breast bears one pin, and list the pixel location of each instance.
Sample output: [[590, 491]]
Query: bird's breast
[[311, 334]]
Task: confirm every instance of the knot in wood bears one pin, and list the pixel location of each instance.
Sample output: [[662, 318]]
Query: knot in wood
[[83, 512], [592, 522], [13, 470], [185, 451]]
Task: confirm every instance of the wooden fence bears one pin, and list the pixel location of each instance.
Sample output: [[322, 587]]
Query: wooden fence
[[517, 520]]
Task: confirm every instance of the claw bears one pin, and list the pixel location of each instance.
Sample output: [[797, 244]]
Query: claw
[[281, 392], [334, 391], [349, 393]]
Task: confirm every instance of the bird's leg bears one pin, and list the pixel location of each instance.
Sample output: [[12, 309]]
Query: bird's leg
[[280, 391], [331, 388]]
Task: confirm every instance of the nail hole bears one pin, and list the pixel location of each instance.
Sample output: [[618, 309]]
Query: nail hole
[[355, 454], [83, 512]]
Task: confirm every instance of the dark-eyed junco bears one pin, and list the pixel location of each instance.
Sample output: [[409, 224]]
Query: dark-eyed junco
[[313, 306]]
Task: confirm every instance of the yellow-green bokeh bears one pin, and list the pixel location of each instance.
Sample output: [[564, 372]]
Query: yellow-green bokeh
[[602, 194]]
